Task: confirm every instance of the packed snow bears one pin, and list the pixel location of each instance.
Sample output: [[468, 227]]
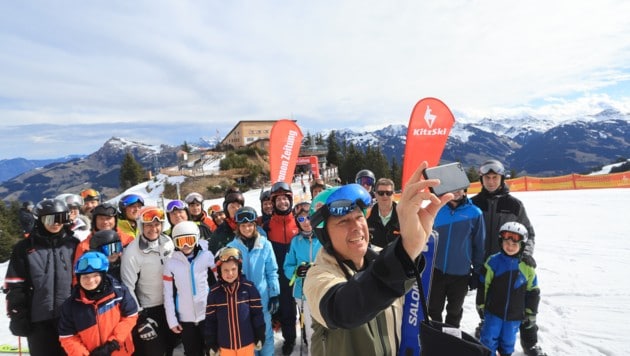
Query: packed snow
[[581, 255]]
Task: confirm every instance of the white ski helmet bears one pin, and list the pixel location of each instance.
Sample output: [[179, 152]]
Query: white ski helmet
[[515, 227], [186, 228]]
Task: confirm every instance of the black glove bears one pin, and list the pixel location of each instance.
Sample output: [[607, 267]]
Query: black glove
[[147, 329], [529, 260], [106, 349], [302, 269], [473, 281], [274, 305], [20, 324]]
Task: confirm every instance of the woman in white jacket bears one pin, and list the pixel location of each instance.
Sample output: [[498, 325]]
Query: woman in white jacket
[[187, 277]]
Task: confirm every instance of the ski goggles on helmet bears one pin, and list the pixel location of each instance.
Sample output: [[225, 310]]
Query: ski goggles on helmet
[[365, 180], [131, 199], [57, 218], [303, 218], [227, 254], [91, 264], [194, 198], [341, 202], [185, 240], [280, 187], [90, 194], [511, 236], [111, 248], [104, 209], [152, 215], [175, 205], [245, 216], [492, 167]]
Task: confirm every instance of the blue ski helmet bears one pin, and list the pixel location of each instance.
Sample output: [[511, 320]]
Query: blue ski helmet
[[90, 262]]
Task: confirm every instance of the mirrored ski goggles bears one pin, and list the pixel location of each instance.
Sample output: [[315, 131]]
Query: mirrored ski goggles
[[57, 218], [365, 180], [111, 248], [131, 199], [193, 198], [90, 194], [303, 218], [175, 205], [245, 217], [229, 253], [508, 235], [90, 263], [185, 240], [389, 193], [492, 167], [152, 215]]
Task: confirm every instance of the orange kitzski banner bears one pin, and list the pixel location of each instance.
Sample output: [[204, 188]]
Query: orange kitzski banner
[[284, 146], [429, 126]]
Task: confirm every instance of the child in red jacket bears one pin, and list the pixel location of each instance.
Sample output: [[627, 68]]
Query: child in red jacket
[[99, 315]]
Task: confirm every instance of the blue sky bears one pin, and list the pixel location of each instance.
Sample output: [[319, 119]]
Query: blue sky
[[73, 74]]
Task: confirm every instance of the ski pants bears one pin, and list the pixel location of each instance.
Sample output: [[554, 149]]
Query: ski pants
[[447, 288], [44, 339], [192, 338], [499, 334]]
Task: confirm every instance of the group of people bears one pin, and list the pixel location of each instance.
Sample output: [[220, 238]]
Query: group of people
[[222, 280]]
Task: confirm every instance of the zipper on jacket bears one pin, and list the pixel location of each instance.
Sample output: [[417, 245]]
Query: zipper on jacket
[[509, 291]]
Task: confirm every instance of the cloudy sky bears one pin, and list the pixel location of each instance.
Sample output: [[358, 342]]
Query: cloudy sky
[[74, 73]]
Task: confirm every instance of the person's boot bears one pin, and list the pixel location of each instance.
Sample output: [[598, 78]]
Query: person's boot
[[535, 351], [287, 347]]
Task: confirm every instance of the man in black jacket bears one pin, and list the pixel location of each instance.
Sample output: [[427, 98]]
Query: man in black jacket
[[383, 219], [27, 220], [498, 207]]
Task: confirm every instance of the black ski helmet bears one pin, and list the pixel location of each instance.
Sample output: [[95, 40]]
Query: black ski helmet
[[103, 237], [105, 209], [281, 188], [232, 195], [369, 179], [52, 207]]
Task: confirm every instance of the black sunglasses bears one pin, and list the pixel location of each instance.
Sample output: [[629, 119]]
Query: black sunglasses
[[385, 192]]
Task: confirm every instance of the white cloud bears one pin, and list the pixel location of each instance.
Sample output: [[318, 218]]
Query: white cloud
[[349, 64]]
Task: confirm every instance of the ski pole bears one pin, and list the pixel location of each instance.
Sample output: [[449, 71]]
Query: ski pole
[[20, 345]]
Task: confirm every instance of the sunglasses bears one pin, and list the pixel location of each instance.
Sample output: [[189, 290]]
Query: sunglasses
[[185, 240], [111, 248], [87, 263], [303, 218], [194, 198], [152, 215], [175, 205], [90, 193], [245, 217], [514, 237], [365, 181], [57, 218], [385, 192]]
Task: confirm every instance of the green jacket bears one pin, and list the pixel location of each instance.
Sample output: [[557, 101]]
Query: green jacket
[[362, 314]]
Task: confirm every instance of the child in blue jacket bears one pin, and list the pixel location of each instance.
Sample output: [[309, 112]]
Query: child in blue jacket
[[508, 292]]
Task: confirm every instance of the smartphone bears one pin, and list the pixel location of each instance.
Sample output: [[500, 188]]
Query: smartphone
[[452, 178]]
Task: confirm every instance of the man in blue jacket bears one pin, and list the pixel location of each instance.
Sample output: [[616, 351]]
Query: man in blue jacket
[[460, 256]]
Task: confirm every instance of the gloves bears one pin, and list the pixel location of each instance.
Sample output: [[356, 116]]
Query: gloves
[[529, 321], [529, 260], [302, 269], [147, 329], [106, 349], [274, 305], [258, 346], [20, 324], [473, 281]]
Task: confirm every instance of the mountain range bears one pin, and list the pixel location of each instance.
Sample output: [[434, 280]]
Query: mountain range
[[526, 145]]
